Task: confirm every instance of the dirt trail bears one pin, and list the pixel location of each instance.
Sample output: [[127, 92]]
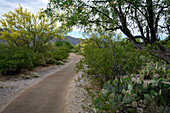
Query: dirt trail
[[48, 96]]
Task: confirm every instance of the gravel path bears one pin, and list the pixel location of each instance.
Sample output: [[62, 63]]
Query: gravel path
[[12, 87]]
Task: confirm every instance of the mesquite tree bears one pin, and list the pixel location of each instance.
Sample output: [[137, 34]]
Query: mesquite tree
[[149, 18]]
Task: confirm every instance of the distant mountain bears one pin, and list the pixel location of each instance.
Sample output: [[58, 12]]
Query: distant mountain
[[72, 40]]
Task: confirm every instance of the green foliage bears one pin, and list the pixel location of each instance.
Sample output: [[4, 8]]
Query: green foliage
[[104, 59], [27, 77], [77, 49], [166, 42], [64, 43], [13, 59], [61, 53], [21, 28], [52, 53], [27, 41]]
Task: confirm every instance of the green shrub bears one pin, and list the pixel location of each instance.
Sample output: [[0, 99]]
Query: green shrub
[[60, 53], [106, 59], [38, 59], [64, 43], [77, 49], [13, 59]]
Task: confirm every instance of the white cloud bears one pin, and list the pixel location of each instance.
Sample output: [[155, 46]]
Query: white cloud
[[44, 1], [32, 5]]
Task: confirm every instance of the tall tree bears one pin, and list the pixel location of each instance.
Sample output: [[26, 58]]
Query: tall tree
[[21, 28], [149, 18]]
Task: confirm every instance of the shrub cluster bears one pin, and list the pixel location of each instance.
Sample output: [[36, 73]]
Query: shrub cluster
[[109, 59], [59, 43], [14, 59]]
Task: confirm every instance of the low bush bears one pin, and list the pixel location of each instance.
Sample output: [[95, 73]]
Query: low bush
[[106, 59], [66, 44], [60, 53], [13, 59], [77, 49]]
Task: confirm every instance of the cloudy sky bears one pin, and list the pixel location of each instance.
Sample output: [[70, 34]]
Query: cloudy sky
[[32, 5]]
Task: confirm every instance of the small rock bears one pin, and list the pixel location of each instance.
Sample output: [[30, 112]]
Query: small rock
[[8, 87], [142, 105], [134, 104], [89, 104], [1, 86], [156, 76], [117, 111], [139, 110], [27, 77], [22, 75], [141, 101], [36, 75], [82, 100], [128, 105]]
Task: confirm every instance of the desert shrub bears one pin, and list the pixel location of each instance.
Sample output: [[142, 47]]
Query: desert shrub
[[37, 58], [64, 43], [60, 53], [106, 59], [77, 49], [50, 53], [13, 59]]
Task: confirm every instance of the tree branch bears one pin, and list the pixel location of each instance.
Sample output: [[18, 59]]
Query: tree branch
[[100, 12], [140, 27], [158, 17]]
